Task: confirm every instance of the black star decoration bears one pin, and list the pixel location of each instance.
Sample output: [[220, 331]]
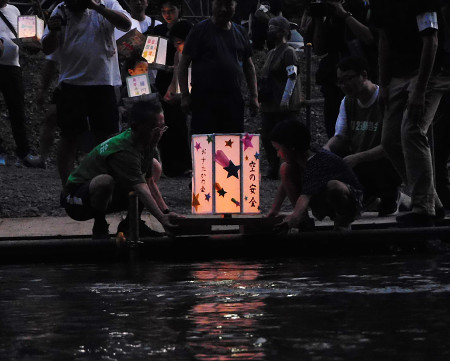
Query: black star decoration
[[232, 170], [221, 192]]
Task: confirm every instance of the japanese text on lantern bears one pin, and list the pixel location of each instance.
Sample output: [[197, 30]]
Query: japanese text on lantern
[[225, 177]]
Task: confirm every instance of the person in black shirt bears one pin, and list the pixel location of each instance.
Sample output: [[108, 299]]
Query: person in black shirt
[[220, 53]]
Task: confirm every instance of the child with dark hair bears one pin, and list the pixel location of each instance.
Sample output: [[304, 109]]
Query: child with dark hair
[[316, 179]]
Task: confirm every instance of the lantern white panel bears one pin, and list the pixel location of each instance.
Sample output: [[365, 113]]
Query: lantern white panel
[[250, 173], [28, 26], [161, 52], [150, 48], [202, 174], [138, 85], [227, 174]]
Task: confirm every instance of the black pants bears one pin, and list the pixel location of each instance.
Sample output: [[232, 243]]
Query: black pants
[[11, 85], [379, 178], [174, 144], [217, 113], [441, 127]]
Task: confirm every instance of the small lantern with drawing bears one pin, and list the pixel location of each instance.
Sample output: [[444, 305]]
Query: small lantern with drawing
[[225, 173], [30, 30], [155, 51], [131, 42], [138, 85]]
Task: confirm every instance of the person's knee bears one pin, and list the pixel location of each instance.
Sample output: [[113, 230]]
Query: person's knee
[[102, 185], [337, 190]]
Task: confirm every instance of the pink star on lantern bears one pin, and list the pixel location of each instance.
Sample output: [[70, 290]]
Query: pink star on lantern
[[247, 140], [197, 146]]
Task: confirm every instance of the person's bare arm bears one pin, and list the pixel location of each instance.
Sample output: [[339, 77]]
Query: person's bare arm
[[116, 18], [367, 156]]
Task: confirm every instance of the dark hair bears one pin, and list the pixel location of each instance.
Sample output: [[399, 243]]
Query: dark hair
[[133, 60], [292, 134], [181, 29], [176, 3], [143, 111], [355, 63]]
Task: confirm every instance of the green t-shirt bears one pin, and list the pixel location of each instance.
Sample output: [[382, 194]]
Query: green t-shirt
[[119, 157]]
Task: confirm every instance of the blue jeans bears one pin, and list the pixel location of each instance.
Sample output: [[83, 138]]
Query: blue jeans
[[405, 139]]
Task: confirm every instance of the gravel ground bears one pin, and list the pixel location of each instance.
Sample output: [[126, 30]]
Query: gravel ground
[[27, 192]]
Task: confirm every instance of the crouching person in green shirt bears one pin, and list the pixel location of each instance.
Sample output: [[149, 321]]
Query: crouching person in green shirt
[[121, 164]]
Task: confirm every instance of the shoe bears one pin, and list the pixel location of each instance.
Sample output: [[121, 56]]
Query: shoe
[[32, 161], [306, 224], [144, 230], [100, 230], [413, 220], [388, 205], [342, 227]]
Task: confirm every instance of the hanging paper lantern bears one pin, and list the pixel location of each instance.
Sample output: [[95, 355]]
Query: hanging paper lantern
[[155, 51], [30, 30], [225, 173]]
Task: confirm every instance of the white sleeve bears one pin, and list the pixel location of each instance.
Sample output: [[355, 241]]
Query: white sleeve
[[427, 21], [341, 121]]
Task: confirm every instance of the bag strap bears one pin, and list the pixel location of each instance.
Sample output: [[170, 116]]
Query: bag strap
[[8, 24]]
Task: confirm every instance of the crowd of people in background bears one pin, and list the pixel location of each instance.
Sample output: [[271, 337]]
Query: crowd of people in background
[[384, 73]]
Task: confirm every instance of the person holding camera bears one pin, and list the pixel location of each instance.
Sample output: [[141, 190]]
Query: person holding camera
[[340, 30], [83, 33]]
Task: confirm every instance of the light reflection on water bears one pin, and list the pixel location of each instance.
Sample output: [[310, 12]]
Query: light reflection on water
[[311, 309]]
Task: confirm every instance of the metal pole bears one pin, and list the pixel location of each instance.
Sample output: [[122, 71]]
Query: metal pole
[[308, 54]]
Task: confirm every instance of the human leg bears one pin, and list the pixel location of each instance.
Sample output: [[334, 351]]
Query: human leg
[[441, 127], [418, 159], [71, 113], [345, 201], [11, 85]]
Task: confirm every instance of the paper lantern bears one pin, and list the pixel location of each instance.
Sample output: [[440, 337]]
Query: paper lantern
[[225, 173], [30, 30], [155, 51], [130, 42], [138, 85]]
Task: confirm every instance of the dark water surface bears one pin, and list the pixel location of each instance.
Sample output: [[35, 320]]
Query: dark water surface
[[361, 308]]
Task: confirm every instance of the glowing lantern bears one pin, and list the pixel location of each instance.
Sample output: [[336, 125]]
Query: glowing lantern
[[225, 173], [138, 85], [30, 30], [155, 51]]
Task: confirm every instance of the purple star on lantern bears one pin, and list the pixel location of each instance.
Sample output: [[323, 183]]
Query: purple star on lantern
[[232, 170], [207, 197], [247, 141], [197, 146], [256, 155]]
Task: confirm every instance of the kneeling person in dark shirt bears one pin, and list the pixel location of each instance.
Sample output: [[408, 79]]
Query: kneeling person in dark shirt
[[320, 180], [121, 164]]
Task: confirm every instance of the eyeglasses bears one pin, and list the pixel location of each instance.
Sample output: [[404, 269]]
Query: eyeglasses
[[161, 130], [345, 79]]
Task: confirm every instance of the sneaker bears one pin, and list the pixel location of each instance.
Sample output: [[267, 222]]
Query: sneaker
[[144, 230], [100, 230], [32, 161], [388, 205], [413, 220]]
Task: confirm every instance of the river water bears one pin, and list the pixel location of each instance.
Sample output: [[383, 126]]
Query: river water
[[358, 308]]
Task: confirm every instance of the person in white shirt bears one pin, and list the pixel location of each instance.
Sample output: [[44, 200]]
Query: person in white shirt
[[11, 83], [139, 20], [83, 33]]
